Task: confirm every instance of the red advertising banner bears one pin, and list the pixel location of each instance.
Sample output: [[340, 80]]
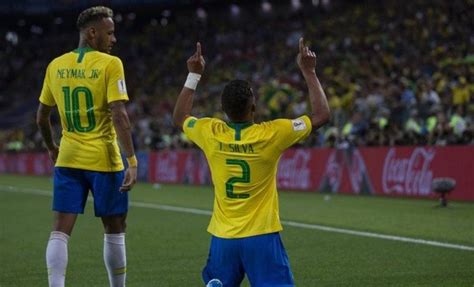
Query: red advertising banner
[[397, 171], [26, 163], [187, 166]]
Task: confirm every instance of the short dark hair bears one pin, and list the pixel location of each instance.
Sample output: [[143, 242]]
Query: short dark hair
[[93, 14], [237, 99]]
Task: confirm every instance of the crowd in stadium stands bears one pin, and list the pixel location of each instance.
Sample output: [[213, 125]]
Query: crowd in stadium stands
[[393, 74]]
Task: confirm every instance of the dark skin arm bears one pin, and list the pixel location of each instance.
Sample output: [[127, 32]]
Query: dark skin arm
[[306, 60], [123, 130], [184, 103], [44, 125]]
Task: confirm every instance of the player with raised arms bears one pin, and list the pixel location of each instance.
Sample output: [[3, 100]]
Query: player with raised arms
[[88, 87], [243, 158]]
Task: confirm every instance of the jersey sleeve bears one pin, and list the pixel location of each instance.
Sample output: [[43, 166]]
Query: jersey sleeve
[[290, 132], [46, 96], [116, 88], [196, 129]]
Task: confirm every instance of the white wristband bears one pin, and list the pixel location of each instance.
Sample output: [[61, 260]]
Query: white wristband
[[192, 81]]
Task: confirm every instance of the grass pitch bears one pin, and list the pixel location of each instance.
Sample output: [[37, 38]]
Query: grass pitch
[[169, 248]]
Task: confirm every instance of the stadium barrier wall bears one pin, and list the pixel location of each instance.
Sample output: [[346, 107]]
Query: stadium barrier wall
[[397, 171], [26, 163], [40, 164]]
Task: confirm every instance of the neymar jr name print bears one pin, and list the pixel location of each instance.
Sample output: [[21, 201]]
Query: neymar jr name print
[[78, 74]]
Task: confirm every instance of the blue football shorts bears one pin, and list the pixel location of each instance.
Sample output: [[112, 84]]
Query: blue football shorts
[[263, 258], [71, 188]]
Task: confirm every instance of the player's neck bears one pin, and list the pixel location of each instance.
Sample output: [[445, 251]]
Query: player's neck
[[244, 120], [241, 122], [248, 118], [83, 44]]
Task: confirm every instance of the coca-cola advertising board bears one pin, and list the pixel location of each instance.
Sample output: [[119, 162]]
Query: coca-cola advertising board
[[186, 167], [396, 171], [400, 171], [409, 171]]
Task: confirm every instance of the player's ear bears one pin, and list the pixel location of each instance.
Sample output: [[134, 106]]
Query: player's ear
[[91, 32]]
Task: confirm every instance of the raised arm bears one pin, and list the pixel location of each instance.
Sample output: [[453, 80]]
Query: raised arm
[[123, 129], [306, 60], [184, 103]]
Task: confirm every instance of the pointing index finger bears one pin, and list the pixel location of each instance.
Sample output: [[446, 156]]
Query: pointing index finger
[[198, 49], [301, 44]]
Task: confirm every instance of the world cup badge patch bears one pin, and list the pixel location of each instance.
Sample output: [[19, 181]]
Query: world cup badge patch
[[121, 86], [298, 125]]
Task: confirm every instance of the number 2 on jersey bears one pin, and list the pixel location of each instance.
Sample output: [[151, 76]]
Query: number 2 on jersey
[[71, 105], [245, 178]]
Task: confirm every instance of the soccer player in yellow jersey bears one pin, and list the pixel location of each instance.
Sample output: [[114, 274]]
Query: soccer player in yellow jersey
[[87, 86], [243, 158]]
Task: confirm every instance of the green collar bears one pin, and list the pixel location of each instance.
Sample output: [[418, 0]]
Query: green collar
[[238, 127], [241, 126], [82, 52]]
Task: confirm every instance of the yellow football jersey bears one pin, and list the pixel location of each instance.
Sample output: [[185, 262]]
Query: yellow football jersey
[[243, 159], [82, 83]]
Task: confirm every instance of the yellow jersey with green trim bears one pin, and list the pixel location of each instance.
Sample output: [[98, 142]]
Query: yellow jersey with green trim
[[81, 84], [243, 159]]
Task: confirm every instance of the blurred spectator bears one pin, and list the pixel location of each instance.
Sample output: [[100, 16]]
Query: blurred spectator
[[394, 74]]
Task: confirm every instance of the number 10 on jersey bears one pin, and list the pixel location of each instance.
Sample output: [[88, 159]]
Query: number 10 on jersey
[[71, 106]]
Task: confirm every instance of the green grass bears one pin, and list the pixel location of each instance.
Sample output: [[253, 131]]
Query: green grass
[[166, 248]]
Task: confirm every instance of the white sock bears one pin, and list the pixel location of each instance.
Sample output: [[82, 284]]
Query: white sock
[[115, 258], [56, 258]]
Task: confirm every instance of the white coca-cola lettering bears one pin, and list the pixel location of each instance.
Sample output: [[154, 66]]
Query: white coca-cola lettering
[[333, 172], [408, 176], [167, 167], [293, 172], [356, 170]]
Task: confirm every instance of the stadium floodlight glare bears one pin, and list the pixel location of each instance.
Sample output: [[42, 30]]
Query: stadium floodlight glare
[[12, 37], [266, 7], [166, 13], [201, 13], [296, 4], [234, 10]]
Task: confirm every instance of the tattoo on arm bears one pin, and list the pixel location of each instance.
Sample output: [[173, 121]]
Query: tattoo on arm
[[122, 127], [44, 125]]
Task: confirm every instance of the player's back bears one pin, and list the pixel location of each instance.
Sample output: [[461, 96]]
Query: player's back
[[243, 159], [82, 83]]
